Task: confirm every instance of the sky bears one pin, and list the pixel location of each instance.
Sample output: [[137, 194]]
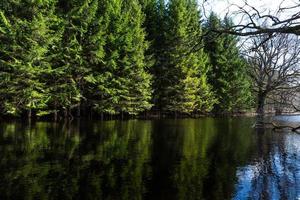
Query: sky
[[221, 7]]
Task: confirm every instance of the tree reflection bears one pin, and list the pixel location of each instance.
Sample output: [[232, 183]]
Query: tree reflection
[[165, 159], [211, 151], [197, 159], [30, 158], [275, 172], [73, 161], [116, 155]]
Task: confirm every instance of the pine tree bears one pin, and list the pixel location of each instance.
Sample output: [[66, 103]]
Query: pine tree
[[74, 54], [239, 91], [155, 25], [26, 36], [228, 73], [115, 57], [127, 85], [184, 88], [95, 81]]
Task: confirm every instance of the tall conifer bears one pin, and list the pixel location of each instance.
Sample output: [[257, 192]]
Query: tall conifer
[[183, 72], [127, 84], [26, 35], [228, 73]]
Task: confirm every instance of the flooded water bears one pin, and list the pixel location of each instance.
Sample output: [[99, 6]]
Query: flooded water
[[204, 158]]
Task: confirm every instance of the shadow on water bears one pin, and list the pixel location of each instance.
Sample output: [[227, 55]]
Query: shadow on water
[[205, 158]]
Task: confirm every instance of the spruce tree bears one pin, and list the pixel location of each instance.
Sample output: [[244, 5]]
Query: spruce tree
[[95, 81], [184, 88], [115, 57], [155, 25], [228, 72], [71, 62], [127, 85], [26, 35], [239, 96]]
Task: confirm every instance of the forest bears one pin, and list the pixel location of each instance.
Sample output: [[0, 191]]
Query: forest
[[149, 99], [65, 58]]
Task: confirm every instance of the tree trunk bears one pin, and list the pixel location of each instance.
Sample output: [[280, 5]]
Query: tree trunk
[[78, 114], [261, 97], [55, 111], [66, 112], [278, 111], [29, 114], [261, 103], [55, 115]]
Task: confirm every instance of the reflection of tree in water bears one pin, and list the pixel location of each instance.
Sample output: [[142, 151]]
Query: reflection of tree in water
[[167, 159], [27, 164], [51, 161], [116, 155], [275, 174], [232, 146], [199, 157], [193, 166]]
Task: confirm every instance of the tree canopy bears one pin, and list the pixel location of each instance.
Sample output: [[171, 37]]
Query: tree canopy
[[60, 58]]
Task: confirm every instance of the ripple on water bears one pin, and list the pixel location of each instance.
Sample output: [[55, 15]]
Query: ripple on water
[[276, 176]]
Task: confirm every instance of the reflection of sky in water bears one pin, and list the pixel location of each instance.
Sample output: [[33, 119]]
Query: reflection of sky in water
[[276, 176], [288, 118]]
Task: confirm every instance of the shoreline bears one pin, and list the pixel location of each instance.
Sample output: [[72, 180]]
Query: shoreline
[[144, 116]]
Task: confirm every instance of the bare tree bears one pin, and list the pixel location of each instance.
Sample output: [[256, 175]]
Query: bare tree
[[285, 101], [273, 60], [285, 19], [274, 66]]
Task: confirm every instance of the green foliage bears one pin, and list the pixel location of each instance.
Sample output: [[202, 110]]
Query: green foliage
[[182, 74], [69, 66], [108, 144], [228, 73], [115, 57], [121, 83], [25, 40]]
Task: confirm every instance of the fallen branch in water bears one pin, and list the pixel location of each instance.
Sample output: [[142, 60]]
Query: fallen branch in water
[[276, 126]]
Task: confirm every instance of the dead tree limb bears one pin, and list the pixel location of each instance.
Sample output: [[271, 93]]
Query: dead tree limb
[[279, 127]]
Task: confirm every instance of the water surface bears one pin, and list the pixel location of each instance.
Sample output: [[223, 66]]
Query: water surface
[[204, 158]]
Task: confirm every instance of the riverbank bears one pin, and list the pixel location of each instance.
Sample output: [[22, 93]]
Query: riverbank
[[145, 116]]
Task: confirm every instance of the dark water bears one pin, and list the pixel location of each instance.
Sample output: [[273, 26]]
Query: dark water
[[163, 159]]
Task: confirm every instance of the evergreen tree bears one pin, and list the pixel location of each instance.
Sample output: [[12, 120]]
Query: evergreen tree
[[239, 95], [228, 73], [95, 82], [182, 75], [26, 35], [115, 57], [127, 85], [71, 62], [156, 27]]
